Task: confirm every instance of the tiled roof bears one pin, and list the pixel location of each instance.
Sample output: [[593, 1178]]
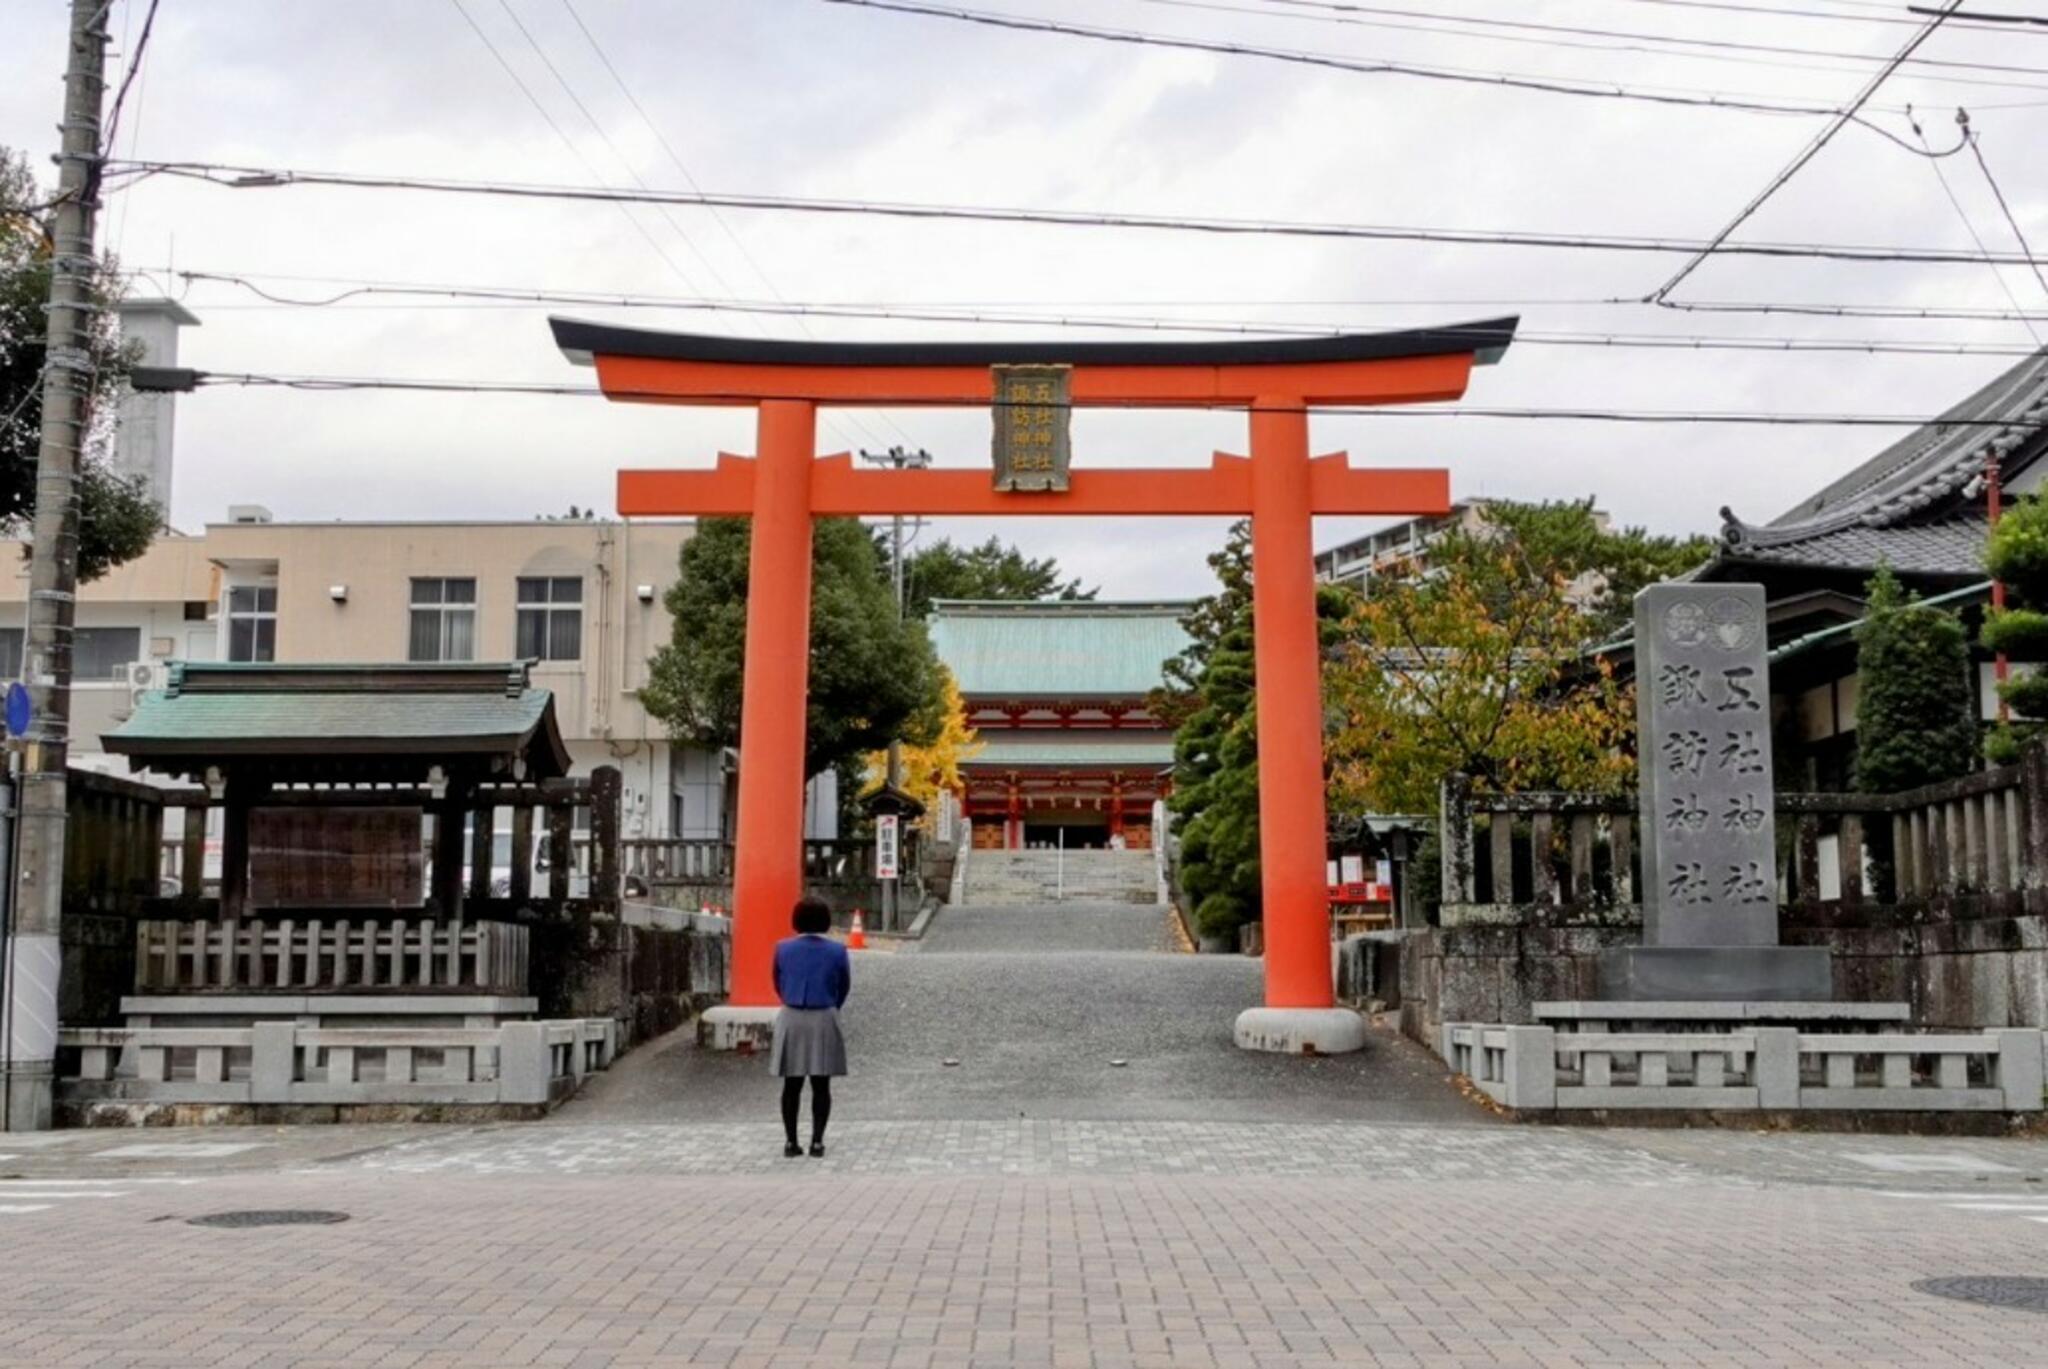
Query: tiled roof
[[1905, 505], [402, 712], [1952, 546], [1055, 649]]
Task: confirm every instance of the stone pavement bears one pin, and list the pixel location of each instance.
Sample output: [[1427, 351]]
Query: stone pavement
[[1038, 1006], [1035, 1206]]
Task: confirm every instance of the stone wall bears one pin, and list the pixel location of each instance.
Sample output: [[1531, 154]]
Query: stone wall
[[651, 973], [1975, 966]]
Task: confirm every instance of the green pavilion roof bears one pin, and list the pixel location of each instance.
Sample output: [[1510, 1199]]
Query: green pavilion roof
[[1057, 648], [403, 717]]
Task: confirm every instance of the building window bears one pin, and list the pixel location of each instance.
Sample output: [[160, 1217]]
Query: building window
[[99, 654], [551, 618], [443, 620], [252, 623], [11, 639]]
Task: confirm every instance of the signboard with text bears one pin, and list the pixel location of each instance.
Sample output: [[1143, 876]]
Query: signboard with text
[[888, 835], [1033, 419]]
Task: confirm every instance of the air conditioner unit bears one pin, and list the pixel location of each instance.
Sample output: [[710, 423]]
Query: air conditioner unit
[[143, 676]]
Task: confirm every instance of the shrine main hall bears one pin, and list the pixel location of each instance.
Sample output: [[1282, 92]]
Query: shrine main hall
[[1057, 692]]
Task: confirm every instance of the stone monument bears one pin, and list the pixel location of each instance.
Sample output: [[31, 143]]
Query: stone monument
[[1709, 839]]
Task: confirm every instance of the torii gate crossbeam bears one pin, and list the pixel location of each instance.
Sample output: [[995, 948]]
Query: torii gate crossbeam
[[786, 485]]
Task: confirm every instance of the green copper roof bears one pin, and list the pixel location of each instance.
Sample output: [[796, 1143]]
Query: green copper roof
[[1090, 747], [405, 714], [1058, 648]]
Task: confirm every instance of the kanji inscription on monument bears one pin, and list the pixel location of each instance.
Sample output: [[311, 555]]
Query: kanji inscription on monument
[[1033, 413], [1704, 728]]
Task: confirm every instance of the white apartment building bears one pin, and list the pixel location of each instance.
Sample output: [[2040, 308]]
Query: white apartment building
[[581, 599]]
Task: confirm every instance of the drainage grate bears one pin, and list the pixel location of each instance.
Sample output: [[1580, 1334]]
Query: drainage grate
[[1992, 1290], [282, 1216]]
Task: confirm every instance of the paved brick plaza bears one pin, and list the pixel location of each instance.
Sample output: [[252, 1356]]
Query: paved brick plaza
[[1398, 1228]]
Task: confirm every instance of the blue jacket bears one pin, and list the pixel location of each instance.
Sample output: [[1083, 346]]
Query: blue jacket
[[812, 972]]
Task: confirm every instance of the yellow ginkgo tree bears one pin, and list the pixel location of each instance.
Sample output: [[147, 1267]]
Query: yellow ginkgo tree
[[932, 769]]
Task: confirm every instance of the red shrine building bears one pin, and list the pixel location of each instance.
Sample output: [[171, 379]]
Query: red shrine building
[[1057, 691]]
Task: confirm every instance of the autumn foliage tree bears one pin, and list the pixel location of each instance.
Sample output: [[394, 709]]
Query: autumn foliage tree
[[1480, 668], [933, 767]]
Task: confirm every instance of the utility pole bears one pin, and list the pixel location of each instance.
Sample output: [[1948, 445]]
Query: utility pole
[[33, 954], [898, 459]]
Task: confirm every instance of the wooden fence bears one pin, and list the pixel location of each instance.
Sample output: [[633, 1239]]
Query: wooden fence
[[331, 956], [1984, 834]]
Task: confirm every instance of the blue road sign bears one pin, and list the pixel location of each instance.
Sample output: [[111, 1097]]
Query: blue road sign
[[18, 710]]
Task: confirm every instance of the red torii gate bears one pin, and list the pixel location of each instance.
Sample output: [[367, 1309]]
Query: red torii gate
[[786, 484]]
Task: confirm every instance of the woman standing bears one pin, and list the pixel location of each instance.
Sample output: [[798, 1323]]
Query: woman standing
[[813, 975]]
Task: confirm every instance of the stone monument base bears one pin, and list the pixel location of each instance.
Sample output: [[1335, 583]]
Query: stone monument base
[[743, 1029], [1718, 974], [1300, 1031]]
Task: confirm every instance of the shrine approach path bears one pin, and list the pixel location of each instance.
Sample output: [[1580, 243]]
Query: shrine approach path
[[1057, 1012]]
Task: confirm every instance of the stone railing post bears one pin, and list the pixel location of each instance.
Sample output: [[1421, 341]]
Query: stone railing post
[[273, 1061], [524, 1063], [1454, 839], [1777, 1067], [2020, 1068], [2034, 814], [1529, 1068]]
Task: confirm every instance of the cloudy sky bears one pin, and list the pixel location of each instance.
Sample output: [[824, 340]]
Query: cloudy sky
[[807, 98]]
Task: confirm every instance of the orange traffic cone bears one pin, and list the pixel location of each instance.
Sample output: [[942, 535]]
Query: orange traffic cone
[[857, 938]]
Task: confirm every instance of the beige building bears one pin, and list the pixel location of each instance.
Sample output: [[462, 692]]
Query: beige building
[[582, 599]]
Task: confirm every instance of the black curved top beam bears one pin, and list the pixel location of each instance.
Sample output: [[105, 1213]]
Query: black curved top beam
[[581, 341]]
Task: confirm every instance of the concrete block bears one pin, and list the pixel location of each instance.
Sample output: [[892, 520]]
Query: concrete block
[[1300, 1031], [2020, 1068], [1776, 1071], [523, 1065], [1530, 1071], [731, 1028], [273, 1064]]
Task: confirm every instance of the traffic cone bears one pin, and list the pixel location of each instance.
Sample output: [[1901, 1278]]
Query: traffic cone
[[857, 938]]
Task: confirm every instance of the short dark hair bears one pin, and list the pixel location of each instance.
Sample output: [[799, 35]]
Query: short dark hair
[[813, 916]]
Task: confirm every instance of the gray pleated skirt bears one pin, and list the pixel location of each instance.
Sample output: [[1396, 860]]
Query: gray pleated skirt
[[807, 1043]]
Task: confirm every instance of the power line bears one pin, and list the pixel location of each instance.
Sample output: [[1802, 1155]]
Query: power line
[[1983, 17], [1806, 154], [969, 315], [266, 178], [1976, 141], [1718, 49], [1507, 80], [676, 160], [1971, 228], [336, 384]]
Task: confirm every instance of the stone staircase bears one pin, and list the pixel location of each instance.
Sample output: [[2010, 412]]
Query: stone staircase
[[1018, 878]]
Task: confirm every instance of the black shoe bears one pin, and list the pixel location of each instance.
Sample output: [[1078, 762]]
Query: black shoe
[[792, 1150], [817, 1150]]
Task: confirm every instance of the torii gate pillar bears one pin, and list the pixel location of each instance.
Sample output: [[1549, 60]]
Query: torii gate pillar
[[1280, 486]]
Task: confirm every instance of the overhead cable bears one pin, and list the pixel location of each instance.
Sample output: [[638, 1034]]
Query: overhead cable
[[1806, 154], [267, 178], [971, 315], [212, 379]]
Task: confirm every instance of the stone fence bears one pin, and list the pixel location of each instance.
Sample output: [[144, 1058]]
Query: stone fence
[[1536, 1070], [516, 1068], [1937, 897], [331, 955]]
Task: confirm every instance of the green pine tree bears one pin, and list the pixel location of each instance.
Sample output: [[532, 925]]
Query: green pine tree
[[1913, 709], [2018, 555]]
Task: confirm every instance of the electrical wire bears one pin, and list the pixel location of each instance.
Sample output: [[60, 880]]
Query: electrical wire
[[1982, 17], [1976, 141], [1806, 154], [1331, 61], [535, 298], [676, 160], [128, 79], [1970, 227], [336, 384], [268, 178], [1718, 49]]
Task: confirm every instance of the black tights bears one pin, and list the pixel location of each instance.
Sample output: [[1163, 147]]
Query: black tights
[[821, 1106]]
